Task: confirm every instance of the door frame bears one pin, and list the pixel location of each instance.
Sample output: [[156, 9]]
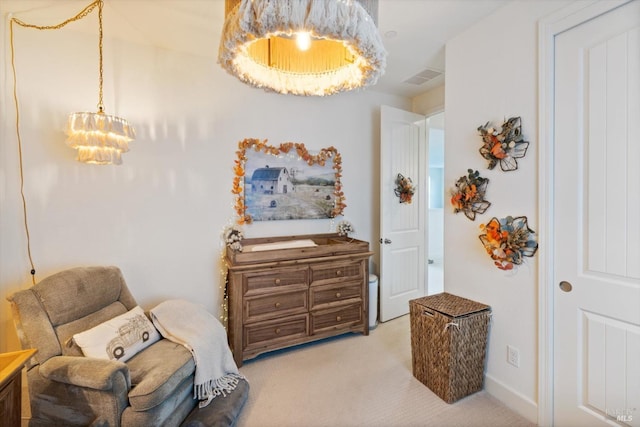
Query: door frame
[[548, 28]]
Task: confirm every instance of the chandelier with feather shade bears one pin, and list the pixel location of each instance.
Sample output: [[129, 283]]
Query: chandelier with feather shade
[[303, 47], [99, 138]]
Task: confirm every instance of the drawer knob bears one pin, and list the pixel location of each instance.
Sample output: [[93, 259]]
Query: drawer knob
[[277, 281], [338, 318], [277, 331], [277, 305], [338, 294], [338, 272]]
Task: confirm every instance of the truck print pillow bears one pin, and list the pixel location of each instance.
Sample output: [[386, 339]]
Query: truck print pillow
[[119, 338]]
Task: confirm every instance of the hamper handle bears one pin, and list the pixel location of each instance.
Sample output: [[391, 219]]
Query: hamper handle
[[451, 324], [427, 313]]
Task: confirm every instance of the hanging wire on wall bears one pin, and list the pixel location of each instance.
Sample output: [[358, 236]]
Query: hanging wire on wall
[[86, 11]]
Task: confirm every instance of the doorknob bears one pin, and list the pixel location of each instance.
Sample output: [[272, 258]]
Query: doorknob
[[565, 286], [385, 241]]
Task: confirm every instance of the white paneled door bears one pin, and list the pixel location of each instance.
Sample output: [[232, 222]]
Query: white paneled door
[[597, 218], [403, 226]]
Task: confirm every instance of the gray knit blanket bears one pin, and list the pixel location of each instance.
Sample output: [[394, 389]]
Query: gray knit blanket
[[192, 326]]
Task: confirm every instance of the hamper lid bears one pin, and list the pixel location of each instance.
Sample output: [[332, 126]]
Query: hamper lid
[[451, 305]]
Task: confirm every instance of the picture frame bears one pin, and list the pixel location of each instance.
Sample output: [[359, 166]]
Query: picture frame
[[286, 182]]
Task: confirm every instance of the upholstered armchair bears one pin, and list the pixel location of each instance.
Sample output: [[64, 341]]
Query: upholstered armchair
[[154, 387]]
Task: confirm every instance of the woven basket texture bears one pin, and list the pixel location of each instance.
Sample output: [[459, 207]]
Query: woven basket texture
[[449, 359]]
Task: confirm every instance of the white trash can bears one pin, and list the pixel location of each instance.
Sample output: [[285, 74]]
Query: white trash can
[[373, 300]]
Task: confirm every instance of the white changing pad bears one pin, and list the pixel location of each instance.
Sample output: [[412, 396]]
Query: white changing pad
[[290, 244]]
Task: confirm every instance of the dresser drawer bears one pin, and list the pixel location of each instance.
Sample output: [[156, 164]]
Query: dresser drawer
[[267, 280], [332, 272], [329, 295], [336, 318], [275, 305], [274, 331]]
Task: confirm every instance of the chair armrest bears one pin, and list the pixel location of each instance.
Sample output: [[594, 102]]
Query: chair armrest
[[90, 372]]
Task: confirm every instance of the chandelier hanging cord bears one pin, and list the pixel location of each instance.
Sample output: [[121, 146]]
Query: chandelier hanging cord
[[82, 14], [101, 79], [86, 11]]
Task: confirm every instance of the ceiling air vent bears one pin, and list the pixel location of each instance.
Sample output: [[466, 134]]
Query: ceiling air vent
[[423, 76]]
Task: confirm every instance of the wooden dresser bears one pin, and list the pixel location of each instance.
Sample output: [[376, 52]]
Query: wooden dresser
[[286, 295]]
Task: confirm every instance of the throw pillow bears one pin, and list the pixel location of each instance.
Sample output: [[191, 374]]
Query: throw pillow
[[119, 338]]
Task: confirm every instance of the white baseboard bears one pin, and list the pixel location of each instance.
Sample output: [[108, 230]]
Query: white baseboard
[[513, 399]]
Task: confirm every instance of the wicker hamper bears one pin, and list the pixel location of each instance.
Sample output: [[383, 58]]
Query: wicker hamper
[[448, 343]]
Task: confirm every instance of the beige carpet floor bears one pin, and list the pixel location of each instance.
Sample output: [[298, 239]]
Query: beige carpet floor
[[358, 381]]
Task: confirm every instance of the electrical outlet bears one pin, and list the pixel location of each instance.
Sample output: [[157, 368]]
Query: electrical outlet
[[513, 356]]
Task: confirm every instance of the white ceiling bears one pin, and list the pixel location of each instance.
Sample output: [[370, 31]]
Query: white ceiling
[[422, 27]]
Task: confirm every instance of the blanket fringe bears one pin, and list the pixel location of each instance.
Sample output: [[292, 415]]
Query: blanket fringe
[[207, 391]]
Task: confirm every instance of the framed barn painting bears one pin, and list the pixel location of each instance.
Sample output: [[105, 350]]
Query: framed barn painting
[[286, 182]]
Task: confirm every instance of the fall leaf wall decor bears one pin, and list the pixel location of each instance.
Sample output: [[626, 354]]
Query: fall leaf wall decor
[[468, 195], [504, 145]]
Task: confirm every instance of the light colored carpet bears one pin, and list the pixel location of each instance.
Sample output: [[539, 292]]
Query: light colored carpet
[[358, 381]]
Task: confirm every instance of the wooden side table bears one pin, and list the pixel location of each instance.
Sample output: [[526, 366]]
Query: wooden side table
[[11, 365]]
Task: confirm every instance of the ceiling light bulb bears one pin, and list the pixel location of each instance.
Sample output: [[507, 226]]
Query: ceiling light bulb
[[303, 40]]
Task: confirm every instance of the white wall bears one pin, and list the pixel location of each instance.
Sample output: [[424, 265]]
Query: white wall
[[492, 75], [429, 102], [159, 216]]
